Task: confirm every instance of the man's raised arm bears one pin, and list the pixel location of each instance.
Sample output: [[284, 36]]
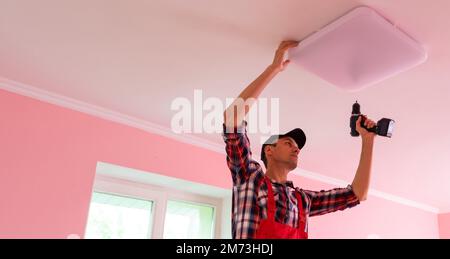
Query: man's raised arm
[[240, 107]]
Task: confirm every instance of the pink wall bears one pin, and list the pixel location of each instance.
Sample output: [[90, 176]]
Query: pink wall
[[48, 156], [444, 225]]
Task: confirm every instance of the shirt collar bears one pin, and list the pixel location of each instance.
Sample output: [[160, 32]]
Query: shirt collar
[[287, 183], [290, 184]]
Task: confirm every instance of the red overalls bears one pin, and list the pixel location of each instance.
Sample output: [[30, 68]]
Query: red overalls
[[270, 229]]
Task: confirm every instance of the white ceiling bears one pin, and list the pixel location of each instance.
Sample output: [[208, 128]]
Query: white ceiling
[[136, 57]]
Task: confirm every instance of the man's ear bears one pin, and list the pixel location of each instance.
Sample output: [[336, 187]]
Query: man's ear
[[268, 150]]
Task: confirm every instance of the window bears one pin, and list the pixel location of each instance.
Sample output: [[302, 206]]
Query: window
[[187, 220], [113, 216], [128, 203]]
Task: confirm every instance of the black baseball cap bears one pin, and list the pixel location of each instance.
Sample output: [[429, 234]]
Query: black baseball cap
[[296, 134]]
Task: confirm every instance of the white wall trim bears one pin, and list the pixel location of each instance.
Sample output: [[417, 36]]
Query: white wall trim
[[97, 111], [372, 192]]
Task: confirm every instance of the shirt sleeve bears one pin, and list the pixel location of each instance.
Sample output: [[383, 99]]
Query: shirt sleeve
[[324, 202], [239, 155]]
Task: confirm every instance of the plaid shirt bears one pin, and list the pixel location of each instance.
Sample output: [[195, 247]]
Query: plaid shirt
[[250, 192]]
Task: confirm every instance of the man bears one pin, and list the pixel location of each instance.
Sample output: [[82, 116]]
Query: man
[[267, 205]]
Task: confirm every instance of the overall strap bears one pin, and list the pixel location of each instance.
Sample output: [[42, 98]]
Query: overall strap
[[270, 199], [301, 219]]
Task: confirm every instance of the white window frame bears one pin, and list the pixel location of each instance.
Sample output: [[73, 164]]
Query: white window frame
[[115, 184]]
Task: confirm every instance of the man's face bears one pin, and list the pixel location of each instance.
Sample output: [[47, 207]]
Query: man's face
[[286, 152]]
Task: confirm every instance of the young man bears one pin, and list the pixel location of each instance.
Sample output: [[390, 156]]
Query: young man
[[267, 205]]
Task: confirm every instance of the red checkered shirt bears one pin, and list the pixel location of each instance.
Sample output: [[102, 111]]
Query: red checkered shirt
[[249, 204]]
